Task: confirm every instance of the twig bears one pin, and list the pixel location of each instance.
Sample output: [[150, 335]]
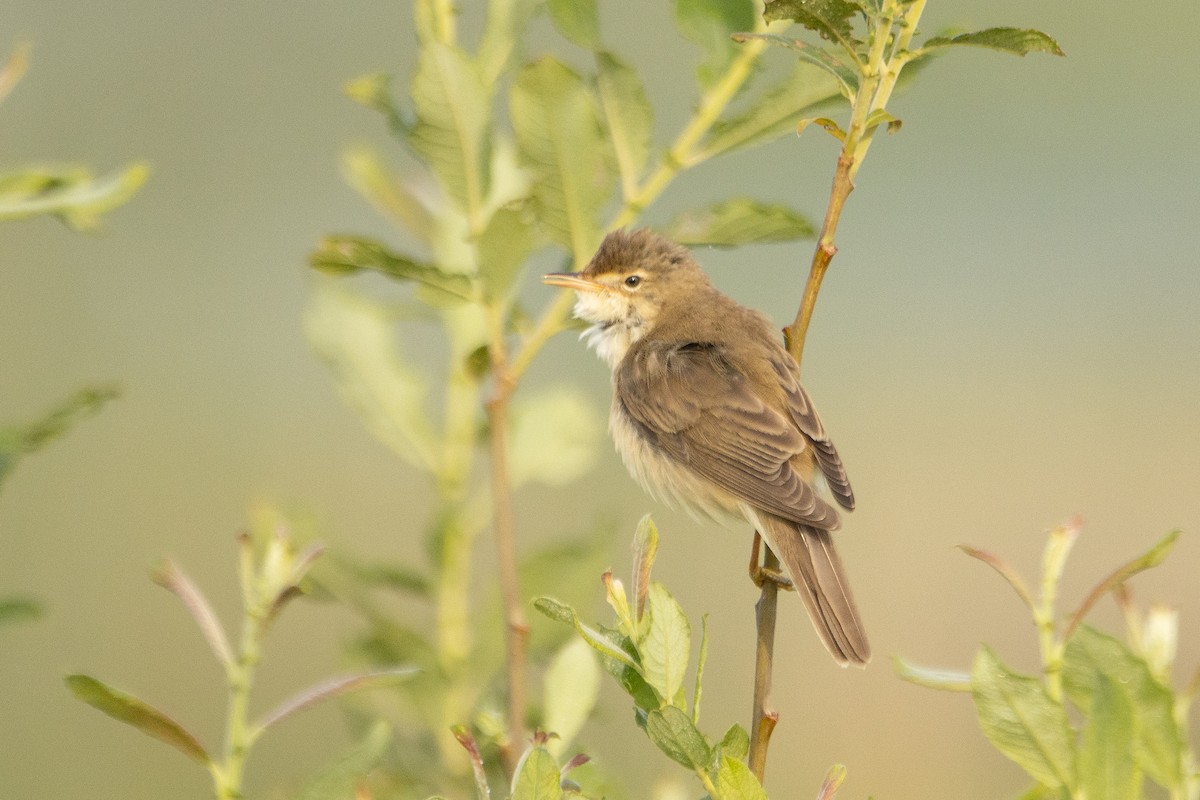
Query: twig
[[516, 628], [877, 80], [764, 718]]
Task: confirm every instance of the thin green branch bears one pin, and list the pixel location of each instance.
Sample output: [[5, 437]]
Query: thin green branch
[[240, 678], [682, 154], [708, 784]]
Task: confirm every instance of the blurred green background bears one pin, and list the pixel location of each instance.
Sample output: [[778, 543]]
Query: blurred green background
[[1010, 334]]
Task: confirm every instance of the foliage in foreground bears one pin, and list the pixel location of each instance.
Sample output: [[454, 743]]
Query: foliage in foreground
[[1102, 718], [72, 193], [647, 649], [272, 572], [79, 199]]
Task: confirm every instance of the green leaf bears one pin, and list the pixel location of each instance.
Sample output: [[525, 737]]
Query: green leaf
[[503, 246], [735, 781], [375, 92], [73, 194], [1005, 571], [512, 184], [1021, 720], [735, 743], [944, 680], [833, 781], [774, 113], [132, 711], [645, 548], [828, 125], [1017, 41], [20, 440], [572, 684], [175, 580], [629, 117], [555, 435], [667, 644], [1148, 560], [338, 779], [331, 688], [453, 122], [356, 337], [846, 75], [346, 255], [614, 595], [537, 777], [710, 23], [672, 731], [18, 609], [738, 221], [701, 660], [881, 117], [560, 140], [630, 677], [1160, 745], [830, 18], [567, 567], [578, 20], [602, 643], [1106, 761], [506, 23], [643, 695]]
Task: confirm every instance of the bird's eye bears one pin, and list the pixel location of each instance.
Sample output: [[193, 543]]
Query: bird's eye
[[633, 281]]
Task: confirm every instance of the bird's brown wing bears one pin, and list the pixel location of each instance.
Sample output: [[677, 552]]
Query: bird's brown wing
[[804, 414], [696, 407]]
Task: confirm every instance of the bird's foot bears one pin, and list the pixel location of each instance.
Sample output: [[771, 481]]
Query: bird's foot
[[761, 574]]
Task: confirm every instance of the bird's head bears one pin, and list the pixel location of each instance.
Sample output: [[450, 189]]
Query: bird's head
[[632, 279]]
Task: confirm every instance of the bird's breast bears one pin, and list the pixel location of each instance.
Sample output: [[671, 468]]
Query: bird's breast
[[667, 479]]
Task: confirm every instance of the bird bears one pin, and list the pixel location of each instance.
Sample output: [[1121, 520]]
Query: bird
[[708, 413]]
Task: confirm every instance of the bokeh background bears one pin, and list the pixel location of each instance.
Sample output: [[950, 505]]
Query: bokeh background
[[1010, 335]]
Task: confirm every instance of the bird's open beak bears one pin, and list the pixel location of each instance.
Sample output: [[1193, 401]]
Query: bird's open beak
[[570, 280]]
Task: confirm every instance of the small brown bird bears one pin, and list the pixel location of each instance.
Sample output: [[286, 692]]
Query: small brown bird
[[708, 413]]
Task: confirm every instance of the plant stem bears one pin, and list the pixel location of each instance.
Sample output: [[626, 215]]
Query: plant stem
[[516, 628], [456, 533], [876, 82], [708, 784], [763, 718], [681, 154], [227, 779], [444, 21]]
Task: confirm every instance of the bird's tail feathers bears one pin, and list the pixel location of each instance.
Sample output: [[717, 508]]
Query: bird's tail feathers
[[815, 569]]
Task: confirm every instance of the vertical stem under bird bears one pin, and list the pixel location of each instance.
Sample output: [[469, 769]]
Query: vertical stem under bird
[[878, 73]]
